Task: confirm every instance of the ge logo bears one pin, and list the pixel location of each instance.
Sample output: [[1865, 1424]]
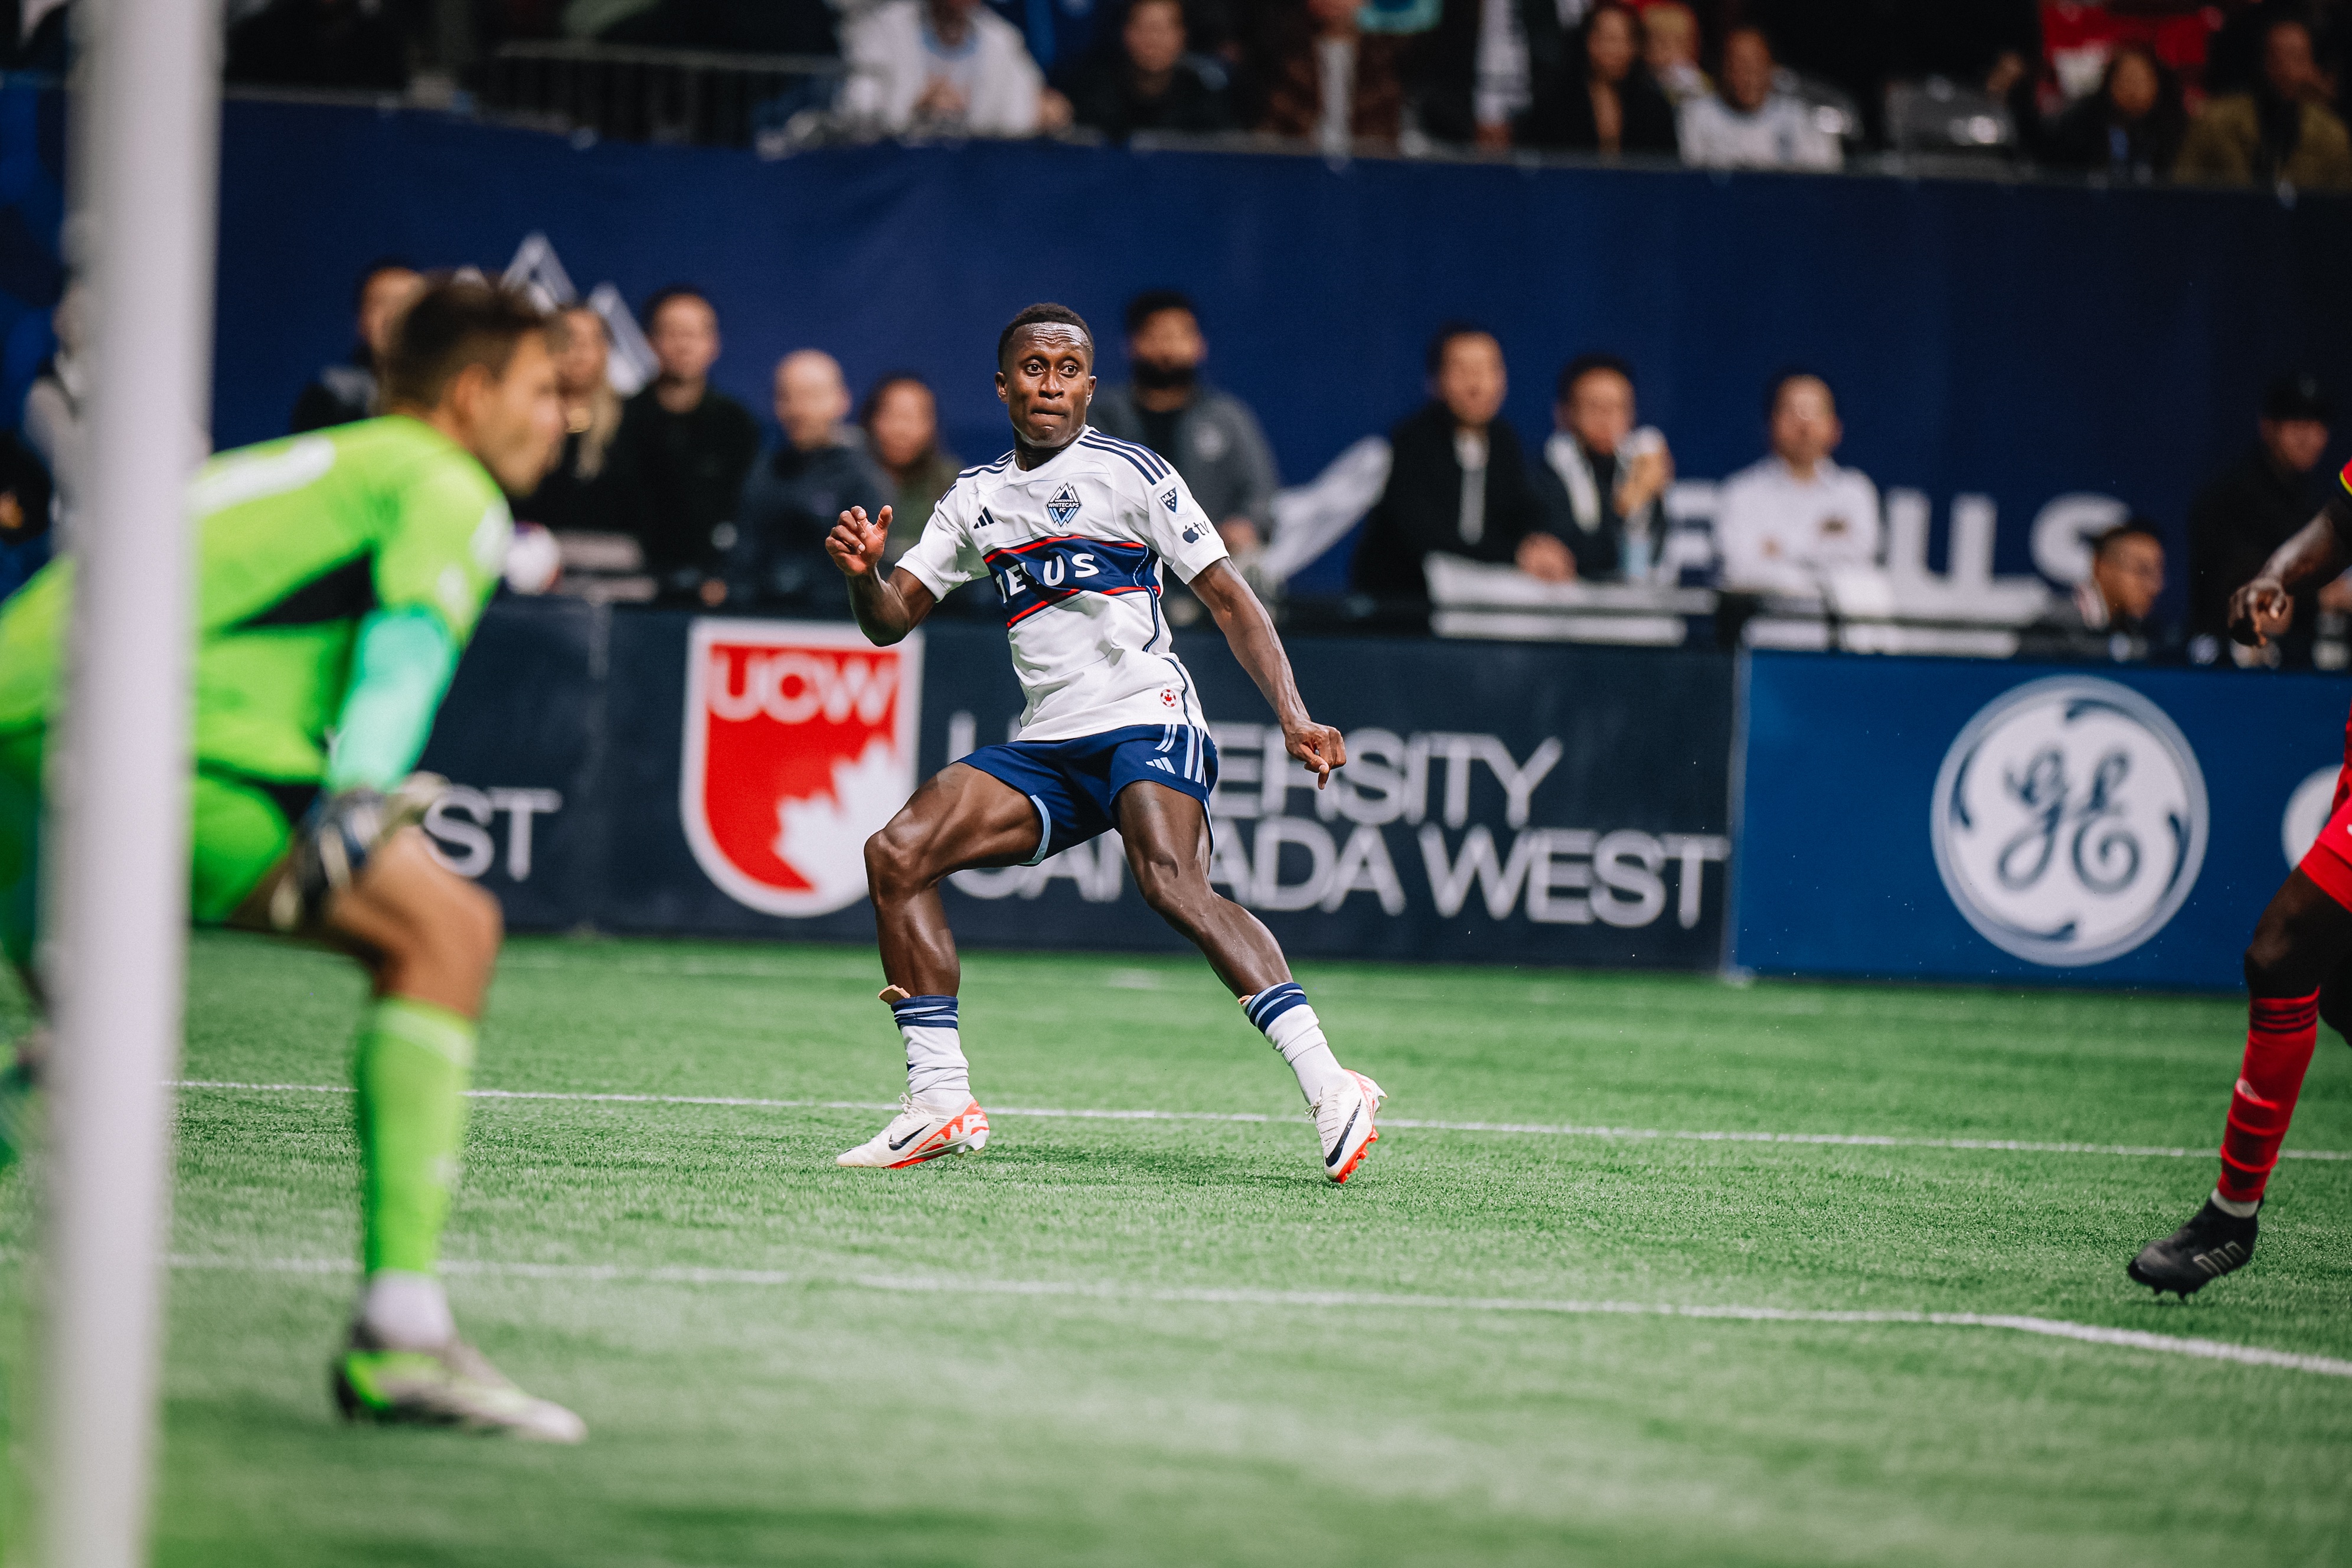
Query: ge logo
[[2069, 821]]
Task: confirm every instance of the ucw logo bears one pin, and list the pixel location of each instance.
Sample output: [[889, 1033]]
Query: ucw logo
[[796, 685]]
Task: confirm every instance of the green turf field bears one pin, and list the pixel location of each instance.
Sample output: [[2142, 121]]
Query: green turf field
[[1147, 1342]]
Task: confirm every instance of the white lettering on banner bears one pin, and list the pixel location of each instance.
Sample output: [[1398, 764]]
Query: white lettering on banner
[[794, 687], [458, 827], [1625, 878]]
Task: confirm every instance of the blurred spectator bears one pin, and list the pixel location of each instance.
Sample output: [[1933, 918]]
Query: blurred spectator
[[1482, 64], [54, 408], [2252, 509], [346, 392], [1603, 483], [678, 459], [797, 492], [901, 420], [1784, 523], [26, 541], [2131, 128], [1458, 482], [1670, 48], [1992, 46], [1148, 83], [945, 66], [1747, 124], [1209, 436], [2282, 132], [1328, 81], [743, 27], [576, 496], [347, 44], [2107, 618], [1603, 100]]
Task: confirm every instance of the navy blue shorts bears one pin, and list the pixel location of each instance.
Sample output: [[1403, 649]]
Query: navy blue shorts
[[1074, 782]]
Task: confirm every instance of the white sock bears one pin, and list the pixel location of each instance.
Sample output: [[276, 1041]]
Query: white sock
[[2233, 1207], [1292, 1028], [935, 1066], [405, 1311]]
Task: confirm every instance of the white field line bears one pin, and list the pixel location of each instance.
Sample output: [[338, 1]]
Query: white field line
[[1524, 1129], [598, 1273]]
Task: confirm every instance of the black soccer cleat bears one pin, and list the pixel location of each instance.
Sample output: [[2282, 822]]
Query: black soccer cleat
[[2211, 1244]]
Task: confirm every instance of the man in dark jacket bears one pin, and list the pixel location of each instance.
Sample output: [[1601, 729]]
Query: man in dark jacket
[[797, 492], [1473, 86], [1147, 81], [2249, 510], [1212, 437], [678, 460], [346, 392], [1458, 481], [2106, 616]]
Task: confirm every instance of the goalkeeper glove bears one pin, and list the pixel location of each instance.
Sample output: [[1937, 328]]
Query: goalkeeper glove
[[335, 839]]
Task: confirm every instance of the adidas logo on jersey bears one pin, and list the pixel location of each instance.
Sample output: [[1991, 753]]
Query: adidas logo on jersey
[[1163, 765], [1063, 506]]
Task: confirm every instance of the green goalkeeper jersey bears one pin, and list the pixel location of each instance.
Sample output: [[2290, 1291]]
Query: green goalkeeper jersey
[[338, 576]]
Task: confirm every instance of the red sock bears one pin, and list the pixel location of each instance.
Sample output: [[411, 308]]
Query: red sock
[[2280, 1035]]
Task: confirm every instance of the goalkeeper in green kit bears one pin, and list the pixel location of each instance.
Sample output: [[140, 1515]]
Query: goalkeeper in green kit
[[338, 576]]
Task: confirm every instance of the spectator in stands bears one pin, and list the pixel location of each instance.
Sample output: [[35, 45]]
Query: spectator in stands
[[1670, 48], [2282, 132], [1603, 100], [2252, 509], [1481, 66], [1149, 82], [343, 44], [950, 66], [797, 493], [2131, 128], [901, 420], [1209, 436], [1458, 483], [346, 392], [1747, 124], [1602, 483], [576, 496], [2106, 616], [1785, 522], [27, 539], [1328, 81], [54, 408], [680, 454]]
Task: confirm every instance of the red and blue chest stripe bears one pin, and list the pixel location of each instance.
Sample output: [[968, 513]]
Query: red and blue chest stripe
[[1040, 573]]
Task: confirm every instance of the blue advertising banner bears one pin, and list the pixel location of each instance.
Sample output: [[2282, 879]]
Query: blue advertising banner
[[1962, 820], [646, 771]]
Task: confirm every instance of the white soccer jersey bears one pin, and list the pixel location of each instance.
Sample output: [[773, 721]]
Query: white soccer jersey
[[1073, 547]]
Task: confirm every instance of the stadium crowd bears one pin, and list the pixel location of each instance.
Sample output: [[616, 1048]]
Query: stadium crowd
[[2238, 91], [670, 493]]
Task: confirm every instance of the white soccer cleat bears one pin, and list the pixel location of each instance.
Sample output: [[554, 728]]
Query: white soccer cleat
[[1343, 1121], [923, 1129]]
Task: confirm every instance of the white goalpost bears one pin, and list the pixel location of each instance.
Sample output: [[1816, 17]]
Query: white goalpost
[[142, 180]]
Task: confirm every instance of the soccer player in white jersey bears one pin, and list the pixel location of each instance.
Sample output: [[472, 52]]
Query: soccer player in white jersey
[[1072, 526]]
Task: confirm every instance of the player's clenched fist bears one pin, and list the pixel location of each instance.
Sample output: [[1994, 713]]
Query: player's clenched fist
[[855, 543], [2261, 611]]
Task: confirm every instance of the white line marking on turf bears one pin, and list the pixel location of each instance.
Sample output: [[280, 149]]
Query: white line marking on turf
[[1528, 1129], [2055, 1327]]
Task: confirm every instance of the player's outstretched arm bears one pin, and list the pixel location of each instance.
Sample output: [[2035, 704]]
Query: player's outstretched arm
[[1250, 631], [885, 611], [2265, 607]]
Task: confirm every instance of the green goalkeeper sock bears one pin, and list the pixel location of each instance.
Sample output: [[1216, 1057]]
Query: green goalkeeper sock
[[413, 1060]]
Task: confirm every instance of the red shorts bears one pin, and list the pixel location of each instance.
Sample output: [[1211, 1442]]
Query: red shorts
[[2329, 860]]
